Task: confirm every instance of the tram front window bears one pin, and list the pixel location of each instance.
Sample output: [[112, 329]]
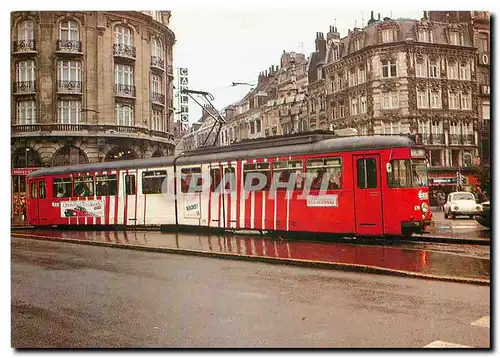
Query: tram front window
[[408, 174]]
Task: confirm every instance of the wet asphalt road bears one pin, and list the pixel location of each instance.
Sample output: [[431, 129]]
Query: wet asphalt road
[[67, 295]]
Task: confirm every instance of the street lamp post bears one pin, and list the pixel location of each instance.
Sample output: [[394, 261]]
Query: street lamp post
[[26, 156]]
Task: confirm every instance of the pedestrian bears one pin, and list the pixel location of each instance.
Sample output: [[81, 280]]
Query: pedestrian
[[441, 200]]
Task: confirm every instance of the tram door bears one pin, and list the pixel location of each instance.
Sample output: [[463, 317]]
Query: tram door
[[33, 208], [367, 195]]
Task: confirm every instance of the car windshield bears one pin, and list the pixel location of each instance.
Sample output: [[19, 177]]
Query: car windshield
[[463, 196]]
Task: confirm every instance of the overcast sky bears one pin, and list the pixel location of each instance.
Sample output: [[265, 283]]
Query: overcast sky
[[221, 46]]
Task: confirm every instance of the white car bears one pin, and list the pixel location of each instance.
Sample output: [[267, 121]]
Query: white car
[[461, 203]]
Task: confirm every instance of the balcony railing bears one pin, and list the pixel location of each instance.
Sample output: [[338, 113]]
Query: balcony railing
[[468, 139], [24, 87], [426, 138], [437, 139], [157, 62], [157, 98], [69, 86], [455, 139], [125, 90], [24, 45], [124, 50], [73, 46], [88, 129]]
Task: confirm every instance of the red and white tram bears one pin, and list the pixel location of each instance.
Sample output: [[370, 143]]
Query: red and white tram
[[379, 188]]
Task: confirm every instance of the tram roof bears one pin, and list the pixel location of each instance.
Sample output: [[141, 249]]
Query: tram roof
[[273, 147]]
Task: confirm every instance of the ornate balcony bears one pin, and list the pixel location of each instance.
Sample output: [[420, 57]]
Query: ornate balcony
[[25, 87], [437, 139], [157, 62], [125, 90], [157, 98], [71, 46], [69, 87], [24, 46], [426, 138], [468, 139], [455, 139], [123, 50], [90, 130]]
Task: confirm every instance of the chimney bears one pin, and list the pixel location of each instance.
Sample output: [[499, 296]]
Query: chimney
[[333, 33], [372, 19], [320, 44], [378, 16]]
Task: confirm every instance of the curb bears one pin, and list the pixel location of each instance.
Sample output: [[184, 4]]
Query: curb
[[451, 240], [271, 260]]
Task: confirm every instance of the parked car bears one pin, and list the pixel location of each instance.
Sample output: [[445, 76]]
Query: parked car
[[461, 203], [484, 218]]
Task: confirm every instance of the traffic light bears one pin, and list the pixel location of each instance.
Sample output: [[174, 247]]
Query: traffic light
[[460, 178]]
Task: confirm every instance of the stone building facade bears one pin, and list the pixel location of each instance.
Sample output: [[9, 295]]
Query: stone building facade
[[408, 76], [89, 86]]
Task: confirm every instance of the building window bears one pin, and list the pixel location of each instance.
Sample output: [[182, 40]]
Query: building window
[[391, 127], [362, 104], [124, 75], [335, 50], [361, 75], [354, 106], [389, 68], [483, 43], [422, 96], [25, 71], [26, 112], [353, 80], [319, 72], [388, 35], [257, 125], [423, 128], [465, 100], [436, 157], [157, 51], [157, 120], [453, 70], [123, 36], [421, 68], [390, 100], [433, 69], [456, 38], [435, 99], [25, 31], [453, 100], [156, 84], [341, 110], [69, 71], [70, 111], [124, 114], [464, 71], [425, 36], [363, 130], [486, 111], [69, 31]]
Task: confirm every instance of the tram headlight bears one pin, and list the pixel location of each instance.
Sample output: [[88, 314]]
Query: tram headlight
[[424, 207]]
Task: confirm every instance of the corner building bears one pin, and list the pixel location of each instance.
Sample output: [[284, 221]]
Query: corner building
[[88, 86]]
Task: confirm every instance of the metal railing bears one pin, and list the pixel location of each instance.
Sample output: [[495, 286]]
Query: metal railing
[[437, 139], [69, 45], [69, 86], [24, 45], [157, 98], [124, 50], [85, 129], [124, 90], [24, 87], [157, 62]]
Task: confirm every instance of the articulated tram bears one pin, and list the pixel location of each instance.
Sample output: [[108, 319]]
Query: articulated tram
[[318, 183]]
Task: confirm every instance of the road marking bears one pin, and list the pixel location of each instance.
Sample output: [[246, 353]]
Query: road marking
[[441, 344], [482, 322]]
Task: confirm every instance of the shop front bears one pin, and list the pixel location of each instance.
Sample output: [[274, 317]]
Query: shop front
[[19, 192], [446, 182]]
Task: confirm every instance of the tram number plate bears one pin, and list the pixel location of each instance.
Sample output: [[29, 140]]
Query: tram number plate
[[321, 201]]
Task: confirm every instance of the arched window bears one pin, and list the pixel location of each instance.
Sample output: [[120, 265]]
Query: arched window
[[26, 157], [69, 31], [120, 153], [25, 31], [157, 49], [69, 155], [123, 36]]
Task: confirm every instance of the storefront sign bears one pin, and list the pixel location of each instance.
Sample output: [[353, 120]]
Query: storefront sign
[[23, 171]]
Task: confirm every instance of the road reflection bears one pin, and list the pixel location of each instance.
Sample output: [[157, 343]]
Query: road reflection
[[434, 263]]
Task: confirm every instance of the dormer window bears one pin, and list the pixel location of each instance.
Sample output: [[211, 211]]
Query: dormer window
[[425, 36], [456, 38], [388, 35], [335, 51], [357, 44]]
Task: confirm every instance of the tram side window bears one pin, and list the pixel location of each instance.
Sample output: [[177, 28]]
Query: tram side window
[[33, 191], [367, 173], [215, 178], [319, 169], [152, 181], [41, 190], [230, 179], [399, 176], [283, 171], [61, 187], [105, 185], [84, 186], [186, 177], [262, 168], [130, 184]]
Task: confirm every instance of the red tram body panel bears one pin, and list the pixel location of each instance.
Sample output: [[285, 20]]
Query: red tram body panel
[[375, 186]]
